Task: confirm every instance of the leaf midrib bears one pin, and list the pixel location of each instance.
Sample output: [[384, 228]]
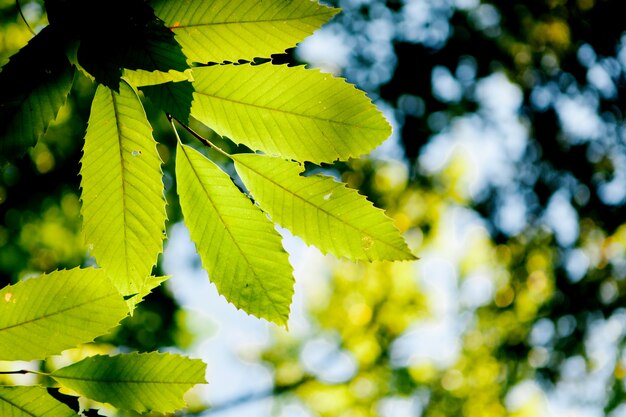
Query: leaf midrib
[[123, 170], [18, 407], [320, 208], [121, 381], [23, 323], [243, 22], [241, 251], [292, 113]]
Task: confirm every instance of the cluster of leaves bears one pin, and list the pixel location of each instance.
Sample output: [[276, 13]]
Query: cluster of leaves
[[195, 61]]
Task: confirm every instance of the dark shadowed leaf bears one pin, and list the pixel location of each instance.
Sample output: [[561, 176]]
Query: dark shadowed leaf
[[117, 34], [172, 97], [33, 86]]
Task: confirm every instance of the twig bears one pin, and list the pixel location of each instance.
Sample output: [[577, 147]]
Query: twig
[[196, 135], [21, 371]]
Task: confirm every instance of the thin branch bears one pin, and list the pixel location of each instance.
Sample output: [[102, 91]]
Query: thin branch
[[251, 397], [21, 371], [196, 135]]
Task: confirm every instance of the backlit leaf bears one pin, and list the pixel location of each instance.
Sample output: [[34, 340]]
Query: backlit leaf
[[230, 30], [237, 243], [321, 211], [43, 316], [33, 86], [122, 189], [31, 402], [140, 78], [150, 284], [290, 111], [135, 381]]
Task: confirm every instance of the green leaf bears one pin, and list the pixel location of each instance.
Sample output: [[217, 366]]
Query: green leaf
[[237, 243], [289, 111], [140, 78], [230, 30], [117, 34], [31, 402], [173, 97], [151, 283], [44, 316], [321, 211], [122, 189], [136, 381], [34, 85]]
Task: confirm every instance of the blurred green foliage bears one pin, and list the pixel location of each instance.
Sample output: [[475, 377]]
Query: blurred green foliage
[[549, 324]]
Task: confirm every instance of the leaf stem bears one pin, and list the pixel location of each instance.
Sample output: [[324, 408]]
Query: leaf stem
[[196, 135], [22, 372]]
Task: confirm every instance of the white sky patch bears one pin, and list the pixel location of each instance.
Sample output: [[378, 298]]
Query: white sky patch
[[542, 332], [576, 263], [437, 340], [425, 21], [330, 49], [499, 97], [445, 86], [477, 289], [614, 191], [466, 4], [582, 388], [599, 77], [323, 358], [492, 144], [578, 118], [381, 30], [511, 214], [485, 147], [524, 393], [399, 407], [562, 218], [427, 341], [433, 340]]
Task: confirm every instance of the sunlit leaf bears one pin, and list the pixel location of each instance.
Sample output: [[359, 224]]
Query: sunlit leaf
[[150, 284], [33, 86], [31, 402], [43, 316], [140, 78], [122, 189], [237, 243], [230, 30], [290, 111], [321, 211], [136, 381]]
